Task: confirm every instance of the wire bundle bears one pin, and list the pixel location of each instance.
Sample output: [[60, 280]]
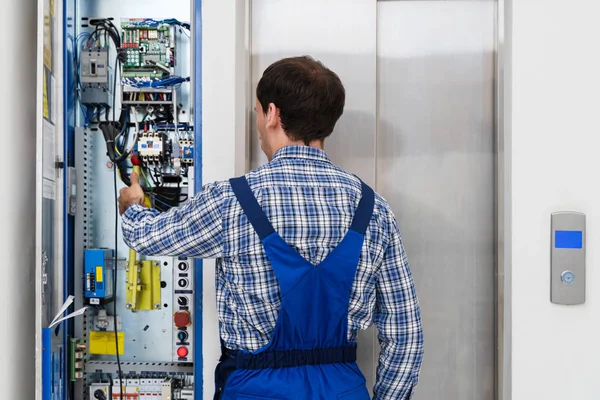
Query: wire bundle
[[157, 23], [145, 82]]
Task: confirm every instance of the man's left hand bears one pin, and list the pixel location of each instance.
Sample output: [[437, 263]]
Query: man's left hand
[[131, 195]]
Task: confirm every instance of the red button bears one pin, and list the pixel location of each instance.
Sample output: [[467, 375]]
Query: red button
[[182, 352], [182, 319]]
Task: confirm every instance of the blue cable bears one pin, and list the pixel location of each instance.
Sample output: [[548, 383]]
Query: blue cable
[[161, 83], [162, 202], [154, 23]]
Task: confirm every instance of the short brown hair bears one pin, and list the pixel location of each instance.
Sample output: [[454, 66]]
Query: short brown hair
[[310, 97]]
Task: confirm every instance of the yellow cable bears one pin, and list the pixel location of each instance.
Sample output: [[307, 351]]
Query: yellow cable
[[138, 171]]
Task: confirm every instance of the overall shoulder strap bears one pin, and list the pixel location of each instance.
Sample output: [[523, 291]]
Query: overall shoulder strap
[[364, 212], [251, 208]]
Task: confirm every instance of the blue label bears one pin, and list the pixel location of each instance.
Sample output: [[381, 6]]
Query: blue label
[[568, 239]]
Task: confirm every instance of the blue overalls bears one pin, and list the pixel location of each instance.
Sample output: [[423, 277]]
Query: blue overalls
[[309, 355]]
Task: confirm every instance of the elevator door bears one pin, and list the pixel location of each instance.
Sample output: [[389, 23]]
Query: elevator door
[[435, 166], [419, 126]]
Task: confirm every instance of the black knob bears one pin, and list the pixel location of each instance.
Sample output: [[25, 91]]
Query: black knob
[[182, 301]]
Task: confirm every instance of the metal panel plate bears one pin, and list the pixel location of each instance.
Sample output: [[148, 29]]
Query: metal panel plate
[[436, 168], [148, 334]]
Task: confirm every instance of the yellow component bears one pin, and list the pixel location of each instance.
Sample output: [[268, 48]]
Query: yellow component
[[147, 202], [104, 343], [143, 277], [98, 273], [138, 170], [46, 109], [143, 286]]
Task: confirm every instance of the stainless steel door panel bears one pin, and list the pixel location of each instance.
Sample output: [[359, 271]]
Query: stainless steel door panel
[[435, 165], [341, 34]]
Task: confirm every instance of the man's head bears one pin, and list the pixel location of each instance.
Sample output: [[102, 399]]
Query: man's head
[[298, 101]]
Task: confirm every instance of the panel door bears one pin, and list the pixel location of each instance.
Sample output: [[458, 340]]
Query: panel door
[[435, 165], [49, 201]]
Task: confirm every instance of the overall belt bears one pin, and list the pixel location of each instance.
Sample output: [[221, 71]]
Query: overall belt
[[292, 358]]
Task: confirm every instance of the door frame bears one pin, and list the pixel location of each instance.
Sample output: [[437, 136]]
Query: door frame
[[503, 200]]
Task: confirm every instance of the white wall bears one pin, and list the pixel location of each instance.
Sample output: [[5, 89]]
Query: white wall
[[555, 166], [18, 200]]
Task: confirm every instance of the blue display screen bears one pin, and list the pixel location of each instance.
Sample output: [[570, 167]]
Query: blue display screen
[[568, 239]]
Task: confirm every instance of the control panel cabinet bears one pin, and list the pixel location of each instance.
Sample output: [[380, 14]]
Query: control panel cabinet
[[117, 81]]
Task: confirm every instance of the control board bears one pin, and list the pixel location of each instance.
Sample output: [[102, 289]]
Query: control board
[[136, 339]]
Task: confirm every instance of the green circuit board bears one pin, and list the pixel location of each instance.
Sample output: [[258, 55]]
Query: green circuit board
[[146, 46]]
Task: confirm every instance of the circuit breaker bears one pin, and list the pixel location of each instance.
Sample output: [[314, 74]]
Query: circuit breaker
[[94, 76]]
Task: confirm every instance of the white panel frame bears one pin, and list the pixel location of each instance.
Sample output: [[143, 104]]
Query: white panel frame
[[225, 111], [504, 199]]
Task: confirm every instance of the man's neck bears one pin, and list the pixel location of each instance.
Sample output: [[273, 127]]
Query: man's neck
[[318, 144]]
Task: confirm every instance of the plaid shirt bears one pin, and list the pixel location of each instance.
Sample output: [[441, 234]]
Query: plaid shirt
[[310, 203]]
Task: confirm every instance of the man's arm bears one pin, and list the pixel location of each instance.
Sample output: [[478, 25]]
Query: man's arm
[[398, 318], [193, 230]]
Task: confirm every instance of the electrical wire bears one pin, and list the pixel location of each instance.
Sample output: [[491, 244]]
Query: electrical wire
[[115, 281], [114, 105], [162, 202], [171, 81], [145, 178]]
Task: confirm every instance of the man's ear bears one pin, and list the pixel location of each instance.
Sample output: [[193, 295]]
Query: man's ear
[[272, 116]]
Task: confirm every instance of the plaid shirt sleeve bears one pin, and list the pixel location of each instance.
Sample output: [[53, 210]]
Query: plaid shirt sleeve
[[193, 230], [398, 318]]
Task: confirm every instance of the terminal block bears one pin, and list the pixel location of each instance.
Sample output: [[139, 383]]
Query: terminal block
[[76, 352]]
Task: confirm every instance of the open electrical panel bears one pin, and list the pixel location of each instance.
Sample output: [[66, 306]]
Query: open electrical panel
[[130, 91]]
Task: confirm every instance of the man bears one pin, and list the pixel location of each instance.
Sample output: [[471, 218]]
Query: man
[[306, 253]]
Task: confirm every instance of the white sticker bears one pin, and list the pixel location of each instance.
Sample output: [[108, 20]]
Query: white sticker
[[48, 190], [64, 307], [94, 301], [73, 314], [54, 104]]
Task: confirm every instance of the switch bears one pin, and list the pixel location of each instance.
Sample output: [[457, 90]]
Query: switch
[[182, 301], [183, 266], [182, 319], [182, 336], [182, 282], [567, 277]]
